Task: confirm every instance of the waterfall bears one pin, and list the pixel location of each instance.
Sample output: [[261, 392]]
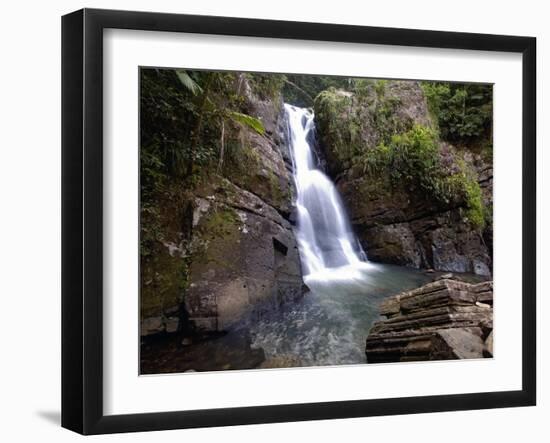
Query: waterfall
[[328, 248]]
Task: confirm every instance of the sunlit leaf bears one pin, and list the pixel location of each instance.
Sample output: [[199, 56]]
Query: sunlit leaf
[[247, 120], [188, 82]]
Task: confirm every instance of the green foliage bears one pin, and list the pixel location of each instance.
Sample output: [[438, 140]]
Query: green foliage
[[383, 109], [355, 122], [366, 133], [189, 121], [247, 120], [413, 159], [266, 86], [187, 81], [463, 112], [476, 212], [301, 90], [380, 87], [187, 116], [340, 129]]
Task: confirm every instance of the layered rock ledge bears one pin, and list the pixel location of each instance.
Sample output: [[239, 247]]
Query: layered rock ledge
[[443, 320]]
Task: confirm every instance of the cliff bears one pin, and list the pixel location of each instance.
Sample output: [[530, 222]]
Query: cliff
[[414, 198], [217, 241]]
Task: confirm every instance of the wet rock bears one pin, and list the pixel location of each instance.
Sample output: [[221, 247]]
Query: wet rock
[[442, 320]]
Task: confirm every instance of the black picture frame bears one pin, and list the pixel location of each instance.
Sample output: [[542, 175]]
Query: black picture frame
[[82, 220]]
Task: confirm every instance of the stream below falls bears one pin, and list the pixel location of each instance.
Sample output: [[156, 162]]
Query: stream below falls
[[323, 328]]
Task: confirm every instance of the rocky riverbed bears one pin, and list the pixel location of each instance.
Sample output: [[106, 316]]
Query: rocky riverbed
[[321, 328]]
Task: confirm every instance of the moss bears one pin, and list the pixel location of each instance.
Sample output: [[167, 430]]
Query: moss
[[279, 197], [165, 218], [465, 189], [247, 171], [353, 124], [380, 87], [412, 160], [340, 130], [474, 203], [164, 280], [217, 243], [220, 223]]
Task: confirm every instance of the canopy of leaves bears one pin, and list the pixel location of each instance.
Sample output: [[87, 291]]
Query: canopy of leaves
[[463, 111]]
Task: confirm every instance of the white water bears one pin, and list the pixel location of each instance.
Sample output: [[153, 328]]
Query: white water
[[329, 251]]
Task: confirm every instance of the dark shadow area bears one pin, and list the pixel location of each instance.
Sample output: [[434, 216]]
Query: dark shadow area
[[54, 417]]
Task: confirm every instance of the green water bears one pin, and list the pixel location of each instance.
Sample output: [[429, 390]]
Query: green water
[[330, 324]]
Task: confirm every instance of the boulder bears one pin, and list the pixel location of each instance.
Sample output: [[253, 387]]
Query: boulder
[[445, 319]]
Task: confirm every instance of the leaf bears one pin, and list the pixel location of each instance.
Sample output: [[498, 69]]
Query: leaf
[[247, 120], [188, 82]]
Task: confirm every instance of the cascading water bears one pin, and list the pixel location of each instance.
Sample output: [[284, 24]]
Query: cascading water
[[328, 247], [329, 324]]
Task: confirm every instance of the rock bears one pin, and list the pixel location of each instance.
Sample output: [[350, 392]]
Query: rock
[[248, 257], [394, 243], [171, 324], [396, 223], [481, 268], [445, 276], [461, 342], [151, 325], [484, 292], [228, 245], [438, 321]]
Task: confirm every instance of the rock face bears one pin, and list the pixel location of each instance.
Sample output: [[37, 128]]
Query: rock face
[[443, 320], [231, 248], [246, 256], [395, 222]]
